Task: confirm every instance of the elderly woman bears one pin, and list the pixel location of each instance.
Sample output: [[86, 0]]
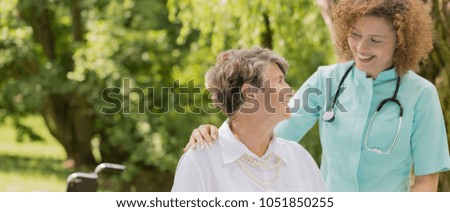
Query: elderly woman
[[250, 88], [387, 120]]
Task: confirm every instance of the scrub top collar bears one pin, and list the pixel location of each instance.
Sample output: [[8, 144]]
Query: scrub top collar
[[387, 75], [233, 149], [384, 76]]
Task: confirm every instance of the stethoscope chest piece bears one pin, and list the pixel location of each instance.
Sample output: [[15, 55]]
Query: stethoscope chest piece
[[328, 116]]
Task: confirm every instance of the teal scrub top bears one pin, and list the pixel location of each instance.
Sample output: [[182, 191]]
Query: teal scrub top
[[347, 165]]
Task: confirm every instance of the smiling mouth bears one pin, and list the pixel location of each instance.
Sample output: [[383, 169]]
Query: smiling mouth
[[364, 57]]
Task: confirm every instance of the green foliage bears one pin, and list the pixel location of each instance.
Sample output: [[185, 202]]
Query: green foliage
[[140, 47], [294, 29]]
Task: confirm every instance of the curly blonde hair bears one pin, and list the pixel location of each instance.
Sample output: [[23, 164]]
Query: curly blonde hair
[[236, 67], [410, 19]]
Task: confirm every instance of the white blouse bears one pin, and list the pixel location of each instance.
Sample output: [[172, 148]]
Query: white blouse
[[228, 165]]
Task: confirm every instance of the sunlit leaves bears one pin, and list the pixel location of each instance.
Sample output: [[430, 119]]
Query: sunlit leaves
[[298, 32], [155, 44]]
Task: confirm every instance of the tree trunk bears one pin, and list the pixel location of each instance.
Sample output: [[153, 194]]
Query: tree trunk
[[71, 122], [267, 36], [69, 117], [436, 68], [325, 9]]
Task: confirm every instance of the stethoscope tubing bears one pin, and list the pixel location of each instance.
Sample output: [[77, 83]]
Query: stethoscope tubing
[[329, 114]]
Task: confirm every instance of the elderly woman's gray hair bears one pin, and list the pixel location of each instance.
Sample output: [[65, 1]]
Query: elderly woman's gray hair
[[236, 67]]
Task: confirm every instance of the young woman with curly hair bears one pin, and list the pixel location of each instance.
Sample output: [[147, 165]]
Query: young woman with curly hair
[[378, 120]]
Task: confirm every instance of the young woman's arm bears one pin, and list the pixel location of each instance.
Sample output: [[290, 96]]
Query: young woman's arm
[[426, 183]]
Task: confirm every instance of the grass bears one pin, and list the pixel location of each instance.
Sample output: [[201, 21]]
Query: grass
[[31, 166]]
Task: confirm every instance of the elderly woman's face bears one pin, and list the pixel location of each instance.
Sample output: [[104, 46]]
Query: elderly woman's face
[[276, 93], [372, 41]]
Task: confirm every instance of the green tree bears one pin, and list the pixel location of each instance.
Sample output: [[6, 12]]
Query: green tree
[[59, 59], [34, 68], [437, 67], [293, 29]]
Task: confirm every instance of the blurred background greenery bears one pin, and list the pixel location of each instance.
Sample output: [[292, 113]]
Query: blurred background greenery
[[58, 56]]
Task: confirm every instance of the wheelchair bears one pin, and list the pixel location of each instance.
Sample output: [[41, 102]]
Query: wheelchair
[[88, 182]]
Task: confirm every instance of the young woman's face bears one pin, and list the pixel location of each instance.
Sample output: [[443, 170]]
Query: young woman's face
[[372, 41]]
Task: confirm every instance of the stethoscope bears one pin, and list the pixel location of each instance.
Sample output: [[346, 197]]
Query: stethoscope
[[328, 116]]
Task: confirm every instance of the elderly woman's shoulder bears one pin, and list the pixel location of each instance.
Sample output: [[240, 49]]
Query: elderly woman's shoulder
[[202, 154], [296, 154], [292, 147]]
